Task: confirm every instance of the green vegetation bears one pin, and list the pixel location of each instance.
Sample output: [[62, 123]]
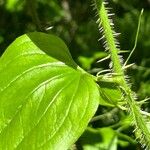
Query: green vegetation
[[48, 102]]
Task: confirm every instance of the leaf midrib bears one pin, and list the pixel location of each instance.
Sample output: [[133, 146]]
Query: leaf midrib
[[69, 106]]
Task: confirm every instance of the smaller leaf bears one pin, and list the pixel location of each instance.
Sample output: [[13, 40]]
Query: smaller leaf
[[110, 93], [99, 139]]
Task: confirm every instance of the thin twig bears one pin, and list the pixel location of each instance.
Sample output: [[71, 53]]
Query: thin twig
[[32, 6], [109, 114]]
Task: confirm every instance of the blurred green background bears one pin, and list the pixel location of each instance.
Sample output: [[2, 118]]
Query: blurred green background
[[75, 22]]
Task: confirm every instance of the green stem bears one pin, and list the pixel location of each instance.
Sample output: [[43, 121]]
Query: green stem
[[108, 115]]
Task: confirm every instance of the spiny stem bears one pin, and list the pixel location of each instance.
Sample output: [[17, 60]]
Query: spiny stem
[[109, 36], [111, 45]]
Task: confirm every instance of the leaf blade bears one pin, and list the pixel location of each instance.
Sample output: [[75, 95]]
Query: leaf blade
[[46, 101]]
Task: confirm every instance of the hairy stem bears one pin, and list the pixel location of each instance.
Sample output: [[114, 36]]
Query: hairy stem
[[106, 27], [107, 30]]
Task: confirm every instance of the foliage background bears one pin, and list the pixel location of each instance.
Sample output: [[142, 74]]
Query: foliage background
[[75, 22]]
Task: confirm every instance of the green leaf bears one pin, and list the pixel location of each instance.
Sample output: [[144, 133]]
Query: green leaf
[[86, 62], [46, 100], [14, 5], [110, 94], [99, 139]]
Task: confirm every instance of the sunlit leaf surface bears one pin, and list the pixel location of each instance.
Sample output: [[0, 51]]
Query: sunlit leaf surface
[[46, 100]]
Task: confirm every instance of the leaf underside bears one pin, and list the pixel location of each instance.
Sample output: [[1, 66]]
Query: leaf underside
[[46, 100]]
